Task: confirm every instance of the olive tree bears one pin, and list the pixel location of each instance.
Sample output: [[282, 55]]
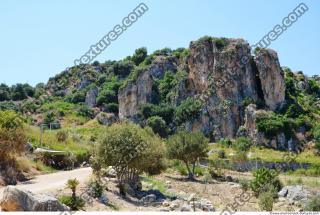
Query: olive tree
[[12, 135], [188, 147], [131, 151]]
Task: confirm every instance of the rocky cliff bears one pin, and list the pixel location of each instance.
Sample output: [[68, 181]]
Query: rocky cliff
[[221, 80]]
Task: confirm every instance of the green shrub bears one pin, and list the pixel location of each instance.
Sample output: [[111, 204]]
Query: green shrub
[[264, 178], [226, 142], [158, 125], [164, 111], [107, 96], [74, 204], [266, 201], [313, 204], [244, 184], [62, 136], [95, 188], [139, 55], [122, 68], [242, 144], [112, 108], [85, 111], [188, 109]]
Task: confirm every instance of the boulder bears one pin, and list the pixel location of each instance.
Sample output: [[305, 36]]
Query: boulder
[[14, 199], [106, 118], [186, 208], [295, 193], [149, 199]]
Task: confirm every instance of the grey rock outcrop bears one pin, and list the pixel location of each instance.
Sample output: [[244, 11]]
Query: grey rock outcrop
[[220, 78], [91, 97], [13, 199], [295, 193], [134, 94], [271, 78]]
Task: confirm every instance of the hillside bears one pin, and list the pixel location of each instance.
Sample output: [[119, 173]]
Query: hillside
[[216, 86]]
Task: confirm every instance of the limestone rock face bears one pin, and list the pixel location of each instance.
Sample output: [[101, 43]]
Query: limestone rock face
[[271, 77], [14, 199], [222, 82], [222, 74], [134, 94], [161, 64], [91, 97]]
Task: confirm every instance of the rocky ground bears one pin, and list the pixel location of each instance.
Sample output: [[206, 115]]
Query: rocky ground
[[181, 195], [177, 194]]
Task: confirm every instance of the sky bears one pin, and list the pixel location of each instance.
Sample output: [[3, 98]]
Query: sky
[[39, 39]]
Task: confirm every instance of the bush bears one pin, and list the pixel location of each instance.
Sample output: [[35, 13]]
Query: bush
[[188, 109], [4, 92], [139, 55], [95, 188], [244, 184], [112, 108], [226, 142], [121, 68], [166, 112], [131, 151], [242, 144], [62, 136], [74, 204], [85, 111], [313, 204], [266, 201], [12, 137], [158, 125], [107, 96], [264, 178], [188, 147]]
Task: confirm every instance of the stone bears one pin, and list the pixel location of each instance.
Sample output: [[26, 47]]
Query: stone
[[192, 197], [186, 208], [149, 199], [165, 203], [110, 172], [174, 205], [296, 193], [106, 118], [14, 199], [164, 210], [283, 192], [104, 199]]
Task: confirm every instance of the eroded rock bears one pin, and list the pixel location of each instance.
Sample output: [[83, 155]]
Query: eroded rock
[[13, 199]]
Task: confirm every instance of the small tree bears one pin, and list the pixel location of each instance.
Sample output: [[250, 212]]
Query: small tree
[[188, 147], [264, 179], [74, 202], [131, 151], [72, 184]]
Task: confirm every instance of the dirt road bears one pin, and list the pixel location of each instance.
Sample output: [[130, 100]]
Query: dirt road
[[54, 181]]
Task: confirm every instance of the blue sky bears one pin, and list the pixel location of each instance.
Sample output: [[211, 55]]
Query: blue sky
[[39, 39]]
